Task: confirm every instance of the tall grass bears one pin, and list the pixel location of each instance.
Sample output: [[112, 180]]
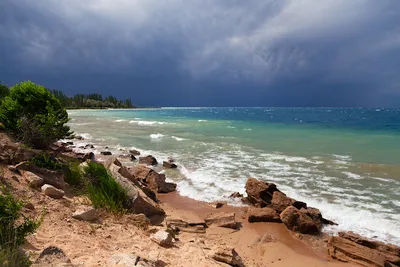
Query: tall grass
[[103, 190], [73, 174], [14, 227]]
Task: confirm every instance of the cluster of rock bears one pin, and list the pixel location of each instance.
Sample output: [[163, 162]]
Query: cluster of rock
[[271, 205]]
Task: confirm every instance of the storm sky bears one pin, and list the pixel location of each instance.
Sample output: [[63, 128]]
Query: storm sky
[[207, 52]]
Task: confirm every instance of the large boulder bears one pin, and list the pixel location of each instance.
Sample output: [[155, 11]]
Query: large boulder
[[152, 179], [148, 160], [129, 260], [139, 201], [298, 221], [222, 219], [259, 193], [228, 256], [316, 216], [163, 238], [52, 192], [355, 248], [263, 215]]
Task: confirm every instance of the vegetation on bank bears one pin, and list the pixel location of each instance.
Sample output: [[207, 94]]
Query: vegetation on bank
[[33, 115], [91, 101], [14, 228]]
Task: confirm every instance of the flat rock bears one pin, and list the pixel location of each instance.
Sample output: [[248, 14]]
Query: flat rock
[[198, 227], [85, 213], [33, 180], [163, 238], [228, 256], [222, 219], [129, 260], [52, 192], [134, 152], [298, 221], [263, 215]]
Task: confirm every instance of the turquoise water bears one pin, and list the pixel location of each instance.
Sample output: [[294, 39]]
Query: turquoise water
[[343, 161]]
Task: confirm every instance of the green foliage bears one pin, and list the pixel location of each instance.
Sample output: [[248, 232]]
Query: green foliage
[[4, 91], [91, 101], [73, 174], [46, 161], [33, 115], [14, 228], [103, 190]]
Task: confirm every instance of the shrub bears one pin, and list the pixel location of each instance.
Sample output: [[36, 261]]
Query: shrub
[[14, 227], [73, 174], [103, 190], [46, 161], [3, 91], [33, 115]]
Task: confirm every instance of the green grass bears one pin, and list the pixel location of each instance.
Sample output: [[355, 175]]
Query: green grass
[[14, 228], [73, 174], [46, 161], [103, 190]]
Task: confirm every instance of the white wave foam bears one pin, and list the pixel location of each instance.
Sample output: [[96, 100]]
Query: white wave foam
[[86, 136], [178, 138], [156, 136], [119, 120], [353, 175], [202, 120], [247, 129], [148, 122]]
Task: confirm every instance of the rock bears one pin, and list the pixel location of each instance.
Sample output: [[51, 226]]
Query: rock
[[263, 215], [134, 152], [85, 213], [236, 195], [33, 180], [29, 206], [52, 257], [298, 221], [177, 225], [169, 165], [316, 216], [132, 157], [222, 219], [13, 153], [129, 260], [148, 160], [152, 179], [52, 192], [106, 153], [51, 177], [80, 156], [139, 220], [89, 146], [259, 193], [355, 248], [228, 256], [139, 202], [163, 238], [110, 161], [13, 169], [217, 205]]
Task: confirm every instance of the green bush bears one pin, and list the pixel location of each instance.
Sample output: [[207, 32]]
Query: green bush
[[46, 161], [73, 174], [103, 190], [14, 227], [4, 91], [33, 115]]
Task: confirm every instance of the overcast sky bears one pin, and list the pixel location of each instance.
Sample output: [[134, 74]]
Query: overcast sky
[[208, 52]]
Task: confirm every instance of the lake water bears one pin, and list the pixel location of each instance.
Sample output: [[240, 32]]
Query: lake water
[[346, 162]]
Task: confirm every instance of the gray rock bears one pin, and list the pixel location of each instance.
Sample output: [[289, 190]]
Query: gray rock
[[85, 213], [163, 238], [52, 192]]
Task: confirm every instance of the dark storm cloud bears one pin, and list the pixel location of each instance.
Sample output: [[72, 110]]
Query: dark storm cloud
[[209, 52]]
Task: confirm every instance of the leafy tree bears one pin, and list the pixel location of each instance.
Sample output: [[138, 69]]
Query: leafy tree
[[34, 115], [4, 91]]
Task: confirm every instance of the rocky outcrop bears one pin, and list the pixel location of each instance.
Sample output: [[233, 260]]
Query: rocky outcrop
[[152, 179], [51, 177], [222, 219], [162, 238], [298, 221], [129, 260], [139, 202], [259, 193], [228, 256], [169, 165], [52, 257], [263, 215], [148, 160], [13, 153], [52, 192], [178, 225], [355, 248], [82, 157], [85, 213], [280, 202]]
